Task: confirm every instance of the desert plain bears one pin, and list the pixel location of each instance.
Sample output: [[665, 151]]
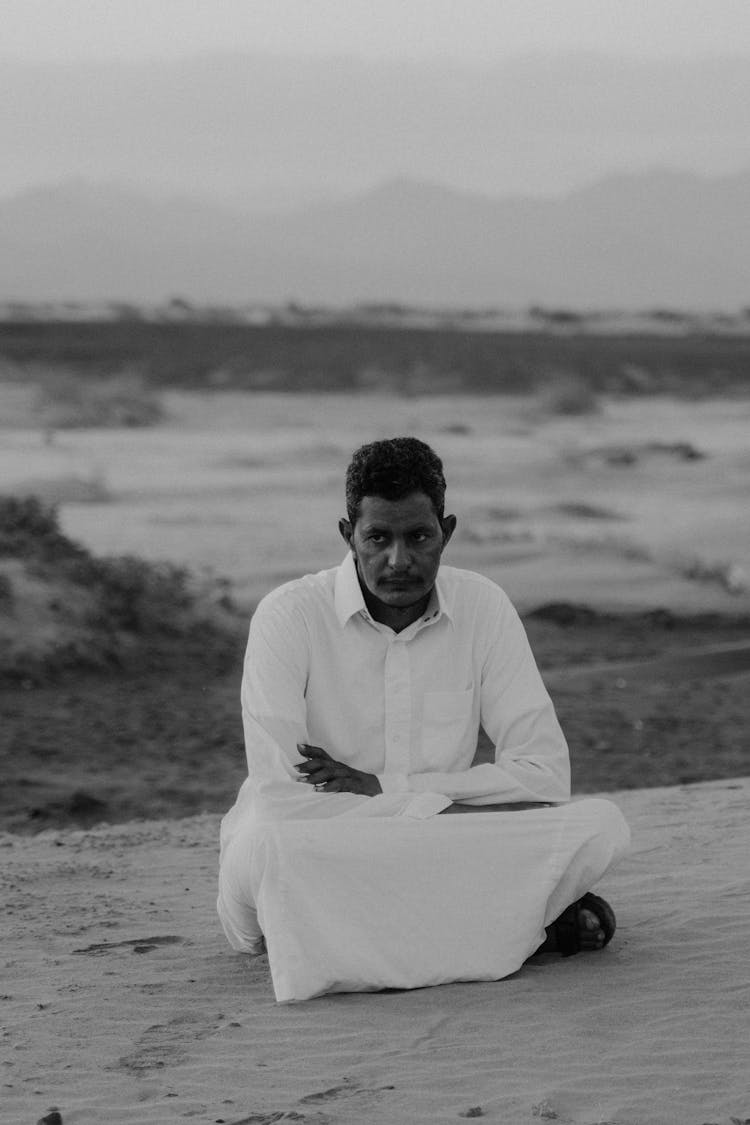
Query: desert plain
[[621, 532]]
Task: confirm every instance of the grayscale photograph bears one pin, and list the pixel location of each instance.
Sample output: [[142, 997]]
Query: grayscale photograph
[[374, 561]]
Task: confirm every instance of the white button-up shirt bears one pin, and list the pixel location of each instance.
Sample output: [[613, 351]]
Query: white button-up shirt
[[404, 706]]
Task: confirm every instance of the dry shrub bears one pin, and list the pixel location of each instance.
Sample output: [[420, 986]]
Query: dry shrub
[[730, 576], [89, 612], [567, 393], [6, 593], [29, 530], [580, 509]]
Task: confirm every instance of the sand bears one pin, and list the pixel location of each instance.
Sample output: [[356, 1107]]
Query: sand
[[122, 1002]]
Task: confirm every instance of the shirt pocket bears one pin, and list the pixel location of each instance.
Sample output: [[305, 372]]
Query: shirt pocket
[[447, 723]]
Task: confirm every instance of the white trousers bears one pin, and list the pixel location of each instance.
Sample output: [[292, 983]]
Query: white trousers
[[350, 904]]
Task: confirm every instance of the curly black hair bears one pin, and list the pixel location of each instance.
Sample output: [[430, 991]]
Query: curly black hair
[[392, 469]]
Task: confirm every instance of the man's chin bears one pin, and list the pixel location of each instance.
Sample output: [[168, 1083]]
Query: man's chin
[[402, 596]]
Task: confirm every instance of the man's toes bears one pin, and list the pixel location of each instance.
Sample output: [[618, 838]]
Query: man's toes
[[587, 920], [590, 933]]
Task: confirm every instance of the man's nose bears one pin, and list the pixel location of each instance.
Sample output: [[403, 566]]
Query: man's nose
[[398, 555]]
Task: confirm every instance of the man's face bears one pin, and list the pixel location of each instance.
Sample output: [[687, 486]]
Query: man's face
[[397, 546]]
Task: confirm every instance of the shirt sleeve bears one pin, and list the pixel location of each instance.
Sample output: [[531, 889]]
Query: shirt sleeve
[[273, 692], [531, 755]]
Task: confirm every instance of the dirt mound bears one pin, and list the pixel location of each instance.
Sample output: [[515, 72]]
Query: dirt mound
[[61, 608]]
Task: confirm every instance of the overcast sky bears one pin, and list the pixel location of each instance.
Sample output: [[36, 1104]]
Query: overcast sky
[[463, 29], [491, 96]]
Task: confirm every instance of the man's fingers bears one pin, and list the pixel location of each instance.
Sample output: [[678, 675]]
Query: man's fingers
[[316, 758], [326, 771], [320, 775], [308, 751], [338, 785], [334, 777], [333, 784], [308, 767]]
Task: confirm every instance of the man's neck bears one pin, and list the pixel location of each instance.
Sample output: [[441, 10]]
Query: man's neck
[[395, 617]]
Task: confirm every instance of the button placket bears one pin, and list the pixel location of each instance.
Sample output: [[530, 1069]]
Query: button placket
[[397, 708]]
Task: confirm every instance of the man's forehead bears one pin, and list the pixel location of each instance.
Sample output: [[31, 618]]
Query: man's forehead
[[414, 508]]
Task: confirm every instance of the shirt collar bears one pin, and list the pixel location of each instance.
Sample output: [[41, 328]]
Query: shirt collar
[[446, 595], [348, 598]]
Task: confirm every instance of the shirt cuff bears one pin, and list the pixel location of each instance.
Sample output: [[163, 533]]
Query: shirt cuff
[[394, 782]]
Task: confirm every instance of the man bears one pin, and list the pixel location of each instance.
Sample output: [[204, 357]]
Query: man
[[363, 692]]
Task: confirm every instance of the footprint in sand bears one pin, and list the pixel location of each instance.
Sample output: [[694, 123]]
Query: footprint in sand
[[138, 945], [271, 1118], [166, 1044], [347, 1089]]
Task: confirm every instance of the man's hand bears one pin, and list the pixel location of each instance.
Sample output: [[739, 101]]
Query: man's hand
[[330, 776]]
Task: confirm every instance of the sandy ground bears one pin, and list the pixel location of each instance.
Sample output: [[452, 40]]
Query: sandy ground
[[122, 1002]]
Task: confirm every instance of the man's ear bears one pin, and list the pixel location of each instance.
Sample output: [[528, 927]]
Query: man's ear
[[448, 524], [346, 531]]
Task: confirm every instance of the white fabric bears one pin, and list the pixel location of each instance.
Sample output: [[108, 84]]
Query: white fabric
[[360, 904], [406, 707]]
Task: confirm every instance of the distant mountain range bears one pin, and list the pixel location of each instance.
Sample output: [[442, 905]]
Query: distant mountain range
[[628, 241], [256, 130]]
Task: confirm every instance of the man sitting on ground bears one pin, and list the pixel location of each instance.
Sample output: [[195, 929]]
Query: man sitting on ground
[[363, 692]]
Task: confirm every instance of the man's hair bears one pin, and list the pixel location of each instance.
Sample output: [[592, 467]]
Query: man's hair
[[392, 469]]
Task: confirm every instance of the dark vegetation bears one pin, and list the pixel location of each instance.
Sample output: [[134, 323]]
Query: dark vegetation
[[340, 357], [29, 530], [119, 612]]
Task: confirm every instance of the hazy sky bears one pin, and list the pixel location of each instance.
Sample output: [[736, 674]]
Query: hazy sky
[[465, 29], [260, 105], [268, 103]]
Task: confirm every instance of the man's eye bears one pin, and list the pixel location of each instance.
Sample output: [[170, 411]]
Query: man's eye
[[375, 537]]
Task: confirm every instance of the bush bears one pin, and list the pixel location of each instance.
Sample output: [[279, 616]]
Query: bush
[[6, 593], [137, 596], [568, 393], [87, 613], [129, 594], [29, 529]]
